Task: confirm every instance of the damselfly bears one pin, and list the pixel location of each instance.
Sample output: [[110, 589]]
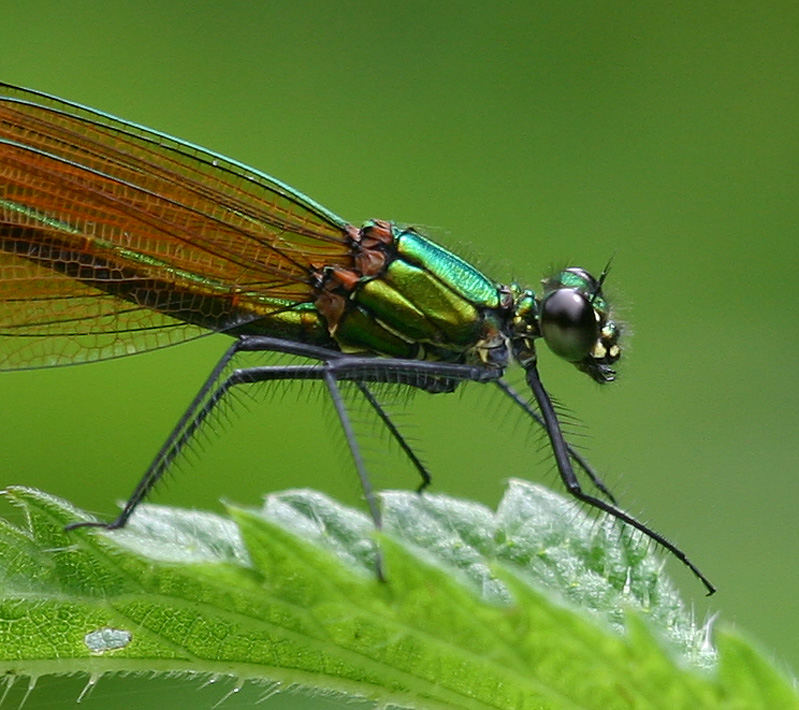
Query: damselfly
[[117, 239]]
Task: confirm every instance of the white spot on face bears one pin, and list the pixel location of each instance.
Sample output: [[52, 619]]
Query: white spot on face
[[107, 639]]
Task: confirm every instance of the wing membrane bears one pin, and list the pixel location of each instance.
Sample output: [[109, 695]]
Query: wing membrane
[[116, 239]]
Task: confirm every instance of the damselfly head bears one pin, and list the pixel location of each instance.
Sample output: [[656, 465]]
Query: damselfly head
[[575, 322]]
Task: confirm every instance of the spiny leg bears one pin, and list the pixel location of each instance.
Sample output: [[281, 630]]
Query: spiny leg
[[193, 423], [561, 451], [341, 366], [520, 401], [170, 448], [398, 437], [581, 461], [352, 443], [196, 413], [360, 467]]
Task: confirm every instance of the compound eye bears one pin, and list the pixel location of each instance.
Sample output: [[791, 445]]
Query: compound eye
[[569, 324]]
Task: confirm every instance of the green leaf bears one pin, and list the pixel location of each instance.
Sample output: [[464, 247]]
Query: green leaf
[[535, 605]]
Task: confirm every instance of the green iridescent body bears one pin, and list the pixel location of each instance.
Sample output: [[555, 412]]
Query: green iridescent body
[[423, 302], [117, 239]]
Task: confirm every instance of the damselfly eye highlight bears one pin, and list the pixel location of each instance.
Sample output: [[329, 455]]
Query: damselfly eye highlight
[[569, 324]]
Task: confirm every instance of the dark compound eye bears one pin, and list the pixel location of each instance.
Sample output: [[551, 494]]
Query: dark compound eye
[[569, 324]]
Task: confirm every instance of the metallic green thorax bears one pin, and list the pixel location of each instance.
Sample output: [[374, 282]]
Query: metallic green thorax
[[411, 299]]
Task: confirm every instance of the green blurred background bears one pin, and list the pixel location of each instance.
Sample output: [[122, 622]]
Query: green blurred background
[[526, 136]]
